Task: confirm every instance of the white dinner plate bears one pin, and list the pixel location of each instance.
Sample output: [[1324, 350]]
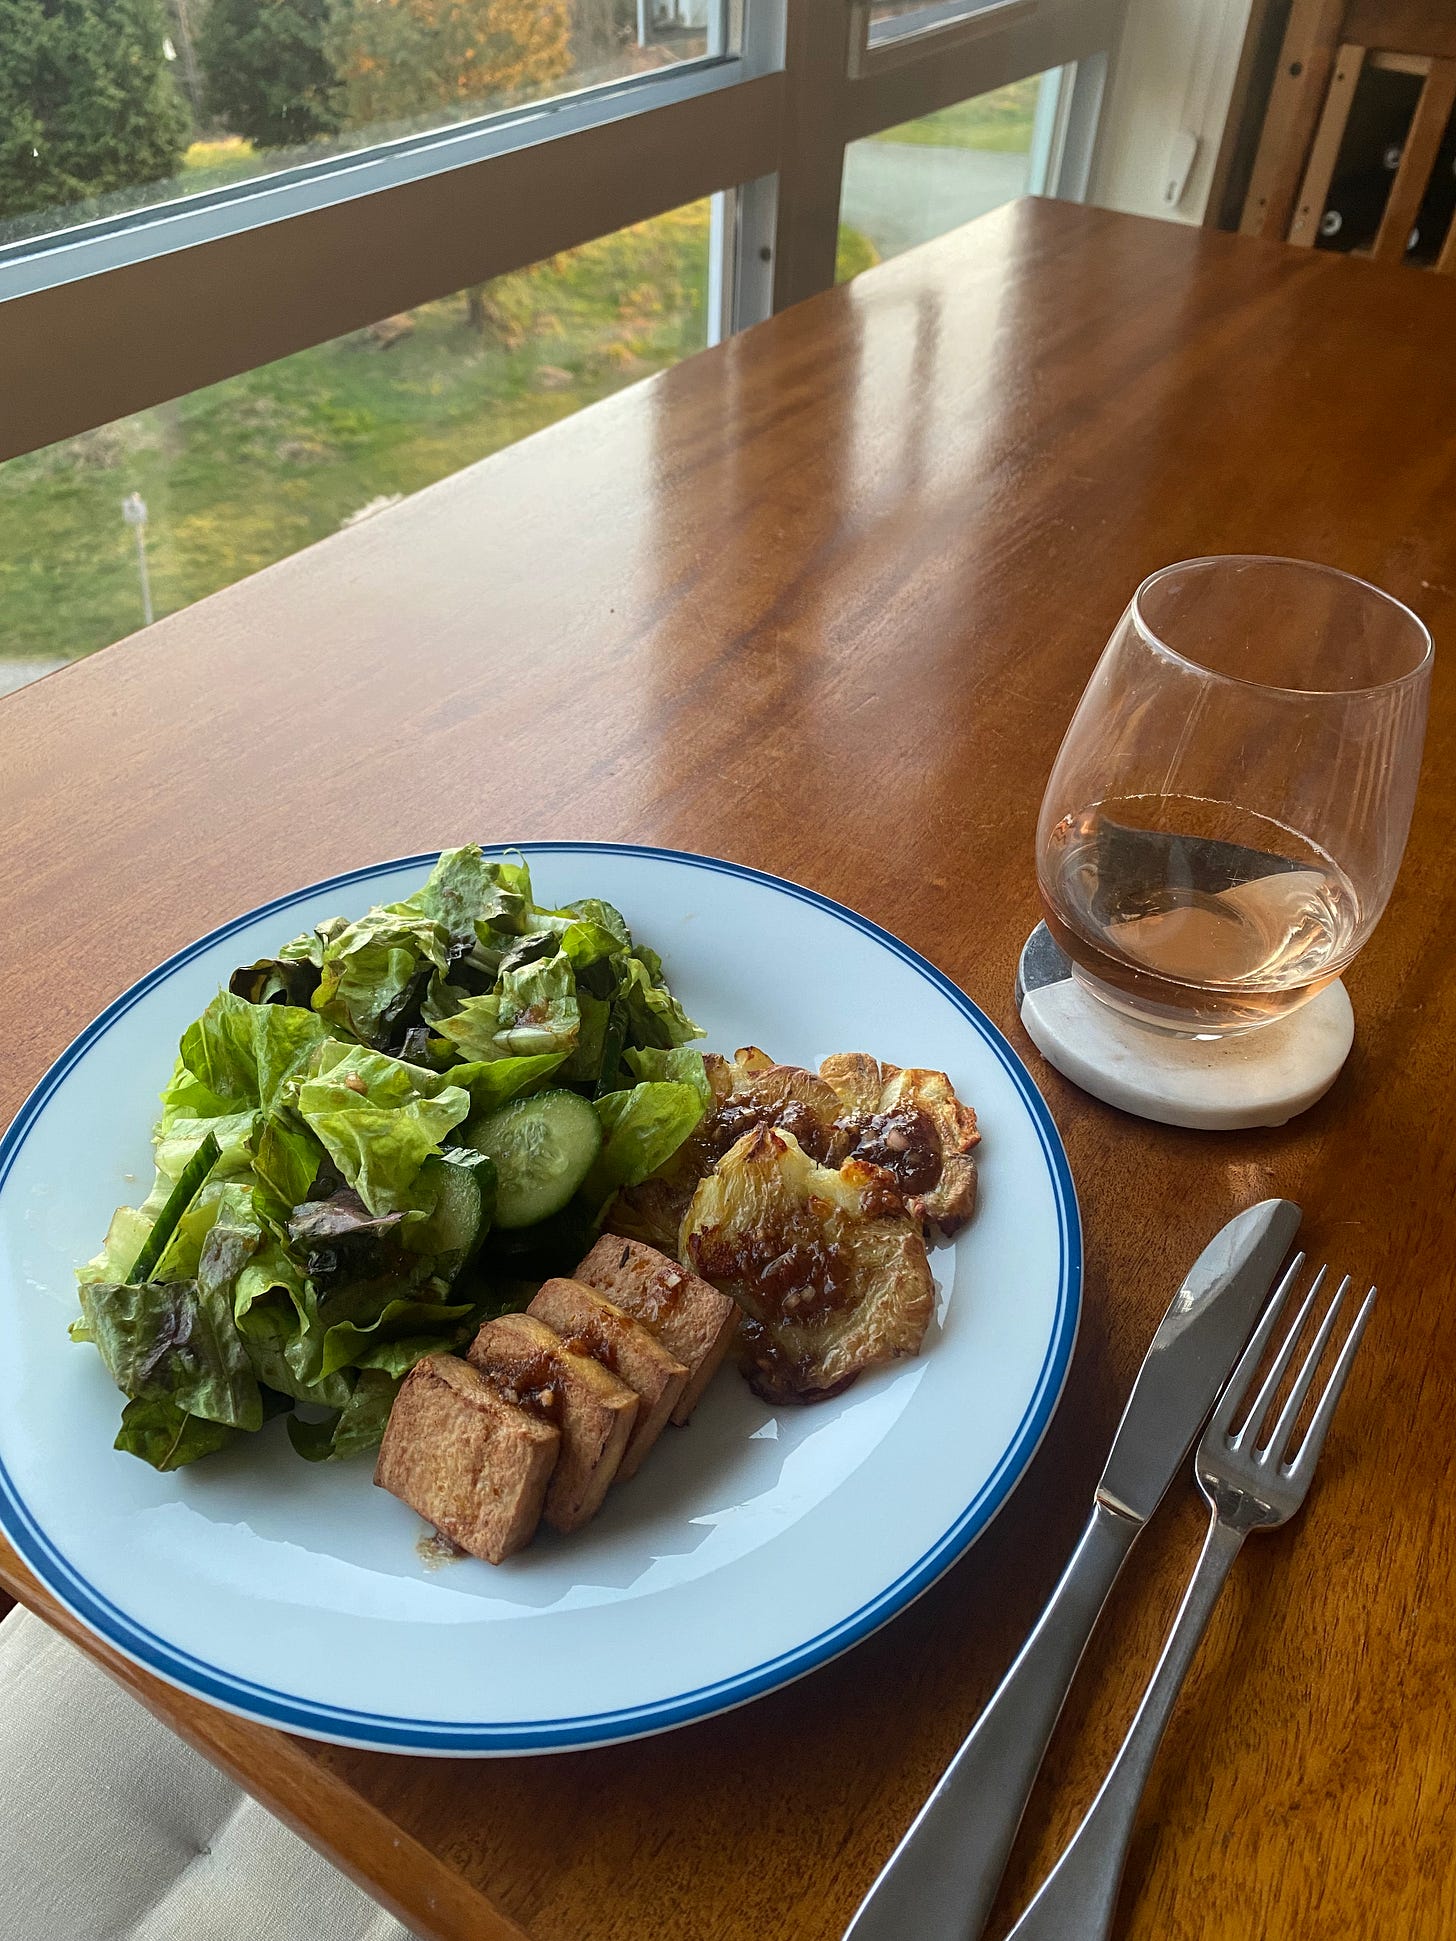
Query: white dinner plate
[[753, 1546]]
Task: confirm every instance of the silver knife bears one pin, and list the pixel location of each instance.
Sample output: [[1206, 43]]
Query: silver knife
[[941, 1880]]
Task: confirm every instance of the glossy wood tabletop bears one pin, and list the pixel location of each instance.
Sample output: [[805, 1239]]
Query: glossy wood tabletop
[[822, 601]]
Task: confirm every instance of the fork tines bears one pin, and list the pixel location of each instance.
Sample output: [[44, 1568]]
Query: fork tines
[[1274, 1447]]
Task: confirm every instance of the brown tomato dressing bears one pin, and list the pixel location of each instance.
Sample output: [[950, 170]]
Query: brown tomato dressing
[[657, 1293], [737, 1116], [903, 1144], [532, 1382], [597, 1341], [797, 1274], [777, 1375]]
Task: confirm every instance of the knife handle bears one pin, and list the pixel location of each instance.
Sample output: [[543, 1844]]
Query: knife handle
[[940, 1882], [1078, 1899]]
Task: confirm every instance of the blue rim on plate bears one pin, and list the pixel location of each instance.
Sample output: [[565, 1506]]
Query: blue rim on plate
[[369, 1729]]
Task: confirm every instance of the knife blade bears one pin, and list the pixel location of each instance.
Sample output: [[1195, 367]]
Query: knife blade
[[941, 1881], [1198, 1340]]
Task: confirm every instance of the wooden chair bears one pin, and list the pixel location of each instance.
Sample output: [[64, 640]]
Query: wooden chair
[[1327, 45]]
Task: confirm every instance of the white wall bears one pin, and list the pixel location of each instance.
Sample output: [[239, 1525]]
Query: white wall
[[1173, 71]]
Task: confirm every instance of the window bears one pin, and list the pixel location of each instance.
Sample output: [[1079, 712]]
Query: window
[[229, 238], [889, 19], [907, 184], [242, 473], [210, 93]]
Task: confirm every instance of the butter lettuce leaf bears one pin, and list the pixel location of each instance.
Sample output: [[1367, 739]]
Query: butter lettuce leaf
[[468, 894], [356, 1428], [287, 1157], [277, 1314], [236, 1059], [166, 1436], [376, 972], [531, 1013], [641, 1129], [654, 1016], [328, 1076], [349, 1343], [379, 1120], [681, 1064], [502, 1079]]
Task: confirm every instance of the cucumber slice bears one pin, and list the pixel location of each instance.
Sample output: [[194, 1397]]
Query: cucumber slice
[[543, 1148], [190, 1182], [464, 1185]]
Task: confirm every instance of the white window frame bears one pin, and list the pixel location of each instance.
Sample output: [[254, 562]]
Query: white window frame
[[112, 316]]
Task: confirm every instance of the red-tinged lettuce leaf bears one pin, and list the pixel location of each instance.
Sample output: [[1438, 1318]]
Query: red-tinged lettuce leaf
[[342, 1216], [292, 976], [338, 1236], [276, 980], [175, 1341]]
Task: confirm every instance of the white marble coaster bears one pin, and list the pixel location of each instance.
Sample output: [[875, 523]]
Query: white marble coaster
[[1260, 1079]]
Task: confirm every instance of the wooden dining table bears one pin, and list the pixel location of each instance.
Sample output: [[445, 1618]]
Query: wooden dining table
[[822, 600]]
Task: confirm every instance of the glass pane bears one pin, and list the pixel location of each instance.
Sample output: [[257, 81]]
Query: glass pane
[[893, 19], [913, 182], [113, 105], [893, 13], [236, 476]]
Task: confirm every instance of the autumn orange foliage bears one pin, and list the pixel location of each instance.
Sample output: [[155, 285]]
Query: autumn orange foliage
[[408, 60]]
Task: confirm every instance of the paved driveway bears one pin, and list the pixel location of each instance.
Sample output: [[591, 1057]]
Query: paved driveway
[[15, 673], [899, 195]]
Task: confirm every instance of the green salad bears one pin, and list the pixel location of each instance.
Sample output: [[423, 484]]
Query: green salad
[[372, 1142]]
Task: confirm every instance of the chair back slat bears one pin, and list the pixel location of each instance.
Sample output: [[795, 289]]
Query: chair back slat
[[1418, 158], [1319, 171], [1415, 26], [1327, 46], [1306, 60]]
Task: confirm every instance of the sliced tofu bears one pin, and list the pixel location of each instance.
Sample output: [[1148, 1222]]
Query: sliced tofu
[[472, 1464], [692, 1320], [595, 1410], [591, 1325]]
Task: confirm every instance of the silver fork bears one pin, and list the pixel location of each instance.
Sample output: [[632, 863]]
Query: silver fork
[[1249, 1486]]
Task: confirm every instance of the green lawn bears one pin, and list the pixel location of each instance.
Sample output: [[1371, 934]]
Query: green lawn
[[250, 470], [212, 165], [1000, 120]]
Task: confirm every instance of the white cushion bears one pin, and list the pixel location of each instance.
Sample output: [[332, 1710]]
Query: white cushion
[[111, 1829]]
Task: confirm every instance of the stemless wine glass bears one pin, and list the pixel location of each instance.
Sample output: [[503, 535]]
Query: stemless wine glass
[[1227, 812]]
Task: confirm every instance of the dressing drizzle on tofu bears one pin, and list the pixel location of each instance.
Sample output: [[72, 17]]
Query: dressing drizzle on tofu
[[532, 1383]]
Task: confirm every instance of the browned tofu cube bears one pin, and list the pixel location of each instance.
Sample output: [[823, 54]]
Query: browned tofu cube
[[589, 1323], [455, 1450], [693, 1321], [594, 1409]]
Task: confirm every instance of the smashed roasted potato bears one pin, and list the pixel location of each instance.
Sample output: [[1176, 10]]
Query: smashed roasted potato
[[907, 1122], [912, 1124], [748, 1090], [827, 1264]]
